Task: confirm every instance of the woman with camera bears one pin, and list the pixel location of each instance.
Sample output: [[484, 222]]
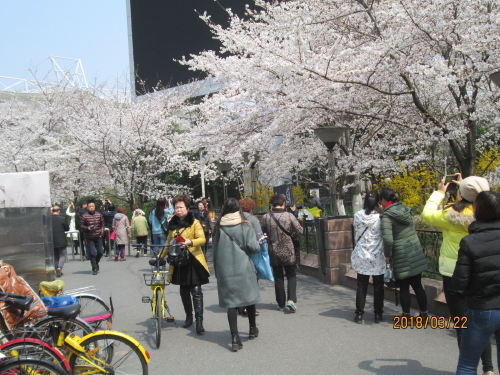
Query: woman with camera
[[454, 220], [186, 230]]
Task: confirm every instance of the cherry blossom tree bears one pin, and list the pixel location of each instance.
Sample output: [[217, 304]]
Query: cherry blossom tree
[[402, 76]]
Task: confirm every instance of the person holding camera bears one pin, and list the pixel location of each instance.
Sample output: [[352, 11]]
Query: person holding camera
[[454, 220], [92, 224]]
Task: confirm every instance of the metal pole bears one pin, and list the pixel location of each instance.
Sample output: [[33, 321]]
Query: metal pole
[[333, 195], [202, 173], [225, 186]]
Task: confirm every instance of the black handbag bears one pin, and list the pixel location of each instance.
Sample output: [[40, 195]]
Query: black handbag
[[178, 254]]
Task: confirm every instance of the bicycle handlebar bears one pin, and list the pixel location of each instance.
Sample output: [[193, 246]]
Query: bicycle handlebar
[[142, 245]]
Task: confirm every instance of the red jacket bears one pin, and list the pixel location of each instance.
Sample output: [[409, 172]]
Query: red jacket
[[95, 220]]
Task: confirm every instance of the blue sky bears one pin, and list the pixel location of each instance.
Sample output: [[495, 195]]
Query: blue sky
[[94, 31]]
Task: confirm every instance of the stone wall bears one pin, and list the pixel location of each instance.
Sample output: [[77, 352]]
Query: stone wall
[[335, 236]]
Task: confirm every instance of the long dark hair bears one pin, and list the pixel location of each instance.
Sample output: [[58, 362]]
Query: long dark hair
[[389, 195], [460, 205], [231, 205], [371, 202], [487, 206], [160, 208]]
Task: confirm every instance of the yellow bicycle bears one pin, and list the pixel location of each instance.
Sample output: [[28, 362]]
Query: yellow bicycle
[[101, 352], [157, 280]]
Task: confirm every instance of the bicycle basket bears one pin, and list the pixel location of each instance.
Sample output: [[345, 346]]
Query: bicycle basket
[[155, 279]]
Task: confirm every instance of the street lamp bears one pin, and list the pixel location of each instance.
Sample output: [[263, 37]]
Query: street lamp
[[224, 168], [253, 175], [330, 137]]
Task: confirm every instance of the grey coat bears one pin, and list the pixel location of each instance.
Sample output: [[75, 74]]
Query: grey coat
[[122, 228], [281, 249], [235, 272]]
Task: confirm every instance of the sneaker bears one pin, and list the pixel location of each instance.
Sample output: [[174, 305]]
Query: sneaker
[[281, 309], [58, 272], [488, 373], [138, 255], [145, 254], [257, 313], [290, 305], [94, 273]]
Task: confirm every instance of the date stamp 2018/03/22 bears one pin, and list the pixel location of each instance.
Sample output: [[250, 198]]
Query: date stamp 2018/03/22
[[433, 322]]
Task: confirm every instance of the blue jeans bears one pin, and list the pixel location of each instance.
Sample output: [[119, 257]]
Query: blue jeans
[[480, 325], [158, 239]]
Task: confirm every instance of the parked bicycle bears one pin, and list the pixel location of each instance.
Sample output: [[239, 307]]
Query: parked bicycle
[[157, 280], [94, 309]]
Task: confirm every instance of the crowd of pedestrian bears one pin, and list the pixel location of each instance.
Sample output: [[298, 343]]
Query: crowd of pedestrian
[[384, 235]]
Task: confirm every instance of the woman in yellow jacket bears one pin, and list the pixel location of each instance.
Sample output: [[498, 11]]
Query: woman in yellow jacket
[[454, 219], [192, 276]]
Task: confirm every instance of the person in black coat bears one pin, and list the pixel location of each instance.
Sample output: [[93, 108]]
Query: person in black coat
[[59, 229], [206, 223], [477, 273]]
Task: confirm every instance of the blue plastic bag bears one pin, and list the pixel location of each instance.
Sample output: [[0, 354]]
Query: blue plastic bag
[[262, 263], [61, 301]]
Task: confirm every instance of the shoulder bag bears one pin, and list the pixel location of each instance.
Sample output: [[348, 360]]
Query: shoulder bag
[[260, 260], [178, 254], [295, 241]]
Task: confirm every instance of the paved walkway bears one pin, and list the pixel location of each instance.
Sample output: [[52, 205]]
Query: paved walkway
[[320, 338]]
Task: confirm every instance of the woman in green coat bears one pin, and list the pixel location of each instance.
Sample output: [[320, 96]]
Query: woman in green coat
[[233, 241], [402, 246]]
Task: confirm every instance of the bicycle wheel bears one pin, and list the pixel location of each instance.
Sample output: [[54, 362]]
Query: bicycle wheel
[[126, 357], [24, 366], [34, 348], [159, 317], [94, 310], [76, 326]]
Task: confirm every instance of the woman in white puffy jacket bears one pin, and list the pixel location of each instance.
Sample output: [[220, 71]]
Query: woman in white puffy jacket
[[368, 256]]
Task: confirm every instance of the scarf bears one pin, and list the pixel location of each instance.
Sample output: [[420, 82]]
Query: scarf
[[231, 219], [387, 204]]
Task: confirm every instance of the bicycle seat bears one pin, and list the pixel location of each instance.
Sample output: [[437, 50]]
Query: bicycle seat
[[23, 303], [51, 288], [66, 312], [152, 262]]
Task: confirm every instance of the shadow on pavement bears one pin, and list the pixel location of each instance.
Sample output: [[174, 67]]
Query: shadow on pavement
[[398, 367]]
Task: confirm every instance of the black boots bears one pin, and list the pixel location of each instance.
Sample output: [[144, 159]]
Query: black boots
[[378, 318], [358, 318], [253, 333], [197, 303], [189, 321], [198, 308], [236, 342]]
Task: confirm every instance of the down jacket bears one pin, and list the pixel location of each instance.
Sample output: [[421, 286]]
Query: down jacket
[[92, 219], [235, 272], [455, 227], [478, 266], [401, 242], [281, 250]]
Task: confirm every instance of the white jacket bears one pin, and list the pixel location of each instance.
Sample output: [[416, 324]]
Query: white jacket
[[368, 255]]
